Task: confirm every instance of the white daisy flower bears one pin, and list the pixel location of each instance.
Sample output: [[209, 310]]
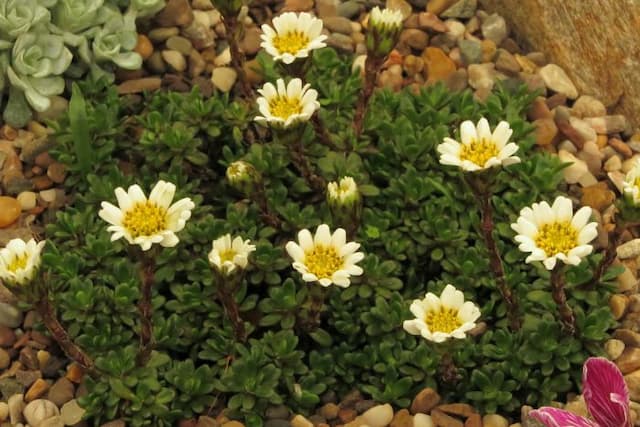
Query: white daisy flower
[[325, 258], [631, 184], [283, 106], [19, 261], [386, 20], [143, 221], [440, 318], [479, 149], [343, 192], [554, 233], [292, 36], [227, 255]]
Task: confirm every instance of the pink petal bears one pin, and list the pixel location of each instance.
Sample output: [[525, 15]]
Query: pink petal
[[605, 393], [554, 417]]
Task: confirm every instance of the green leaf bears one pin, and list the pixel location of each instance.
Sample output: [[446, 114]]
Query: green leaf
[[80, 128], [322, 337]]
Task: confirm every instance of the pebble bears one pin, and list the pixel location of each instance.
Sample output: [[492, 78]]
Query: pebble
[[349, 8], [71, 413], [7, 336], [403, 6], [5, 359], [588, 106], [470, 51], [438, 66], [9, 212], [629, 360], [494, 28], [340, 41], [338, 24], [598, 196], [223, 78], [545, 131], [329, 411], [61, 391], [494, 420], [425, 401], [180, 44], [613, 163], [57, 172], [441, 419], [37, 389], [414, 38], [618, 305], [506, 62], [175, 60], [608, 124], [4, 411], [402, 418], [297, 5], [614, 348], [422, 420], [27, 200], [556, 79], [481, 76], [300, 421], [430, 21], [175, 13], [461, 9], [438, 6], [16, 407], [139, 85], [143, 47], [378, 416], [10, 316], [204, 421], [163, 33]]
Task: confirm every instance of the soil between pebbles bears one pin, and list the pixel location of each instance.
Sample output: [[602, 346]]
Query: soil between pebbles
[[450, 41]]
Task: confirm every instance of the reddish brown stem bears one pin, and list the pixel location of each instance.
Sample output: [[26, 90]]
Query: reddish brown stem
[[495, 261], [371, 67], [145, 308], [232, 311], [233, 31], [260, 198], [557, 291], [301, 162], [46, 311]]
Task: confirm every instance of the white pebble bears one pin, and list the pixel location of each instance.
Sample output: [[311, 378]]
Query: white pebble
[[378, 416], [422, 420]]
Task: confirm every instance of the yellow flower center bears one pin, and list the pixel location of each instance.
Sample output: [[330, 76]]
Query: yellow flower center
[[291, 42], [479, 151], [444, 320], [227, 255], [283, 106], [18, 263], [557, 237], [323, 261], [636, 183], [145, 219]]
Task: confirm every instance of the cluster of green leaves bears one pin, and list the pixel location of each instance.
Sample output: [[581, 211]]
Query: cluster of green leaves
[[419, 231]]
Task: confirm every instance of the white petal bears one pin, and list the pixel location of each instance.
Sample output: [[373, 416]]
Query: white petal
[[413, 326], [110, 213], [136, 194], [549, 263], [451, 297], [501, 134], [124, 201], [305, 240], [581, 217], [323, 235], [563, 209], [483, 130], [468, 132], [170, 240], [295, 251], [339, 238]]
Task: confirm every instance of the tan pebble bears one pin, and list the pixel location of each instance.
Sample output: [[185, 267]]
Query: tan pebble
[[74, 373], [438, 6], [633, 383], [628, 337], [425, 401], [4, 411], [422, 420], [441, 419], [621, 147], [438, 66], [347, 414], [402, 418], [16, 408], [556, 79], [630, 249], [37, 389], [71, 413], [597, 196], [179, 44], [546, 131], [601, 141], [462, 409], [329, 411], [626, 280], [39, 410], [614, 348], [526, 64], [144, 47], [5, 359], [233, 424], [253, 71], [634, 303], [223, 78], [378, 416], [588, 106], [48, 195], [139, 85], [629, 360], [618, 305], [300, 421], [176, 12], [43, 358], [613, 163], [494, 420], [175, 60], [10, 209], [224, 58], [27, 200], [474, 420], [196, 64]]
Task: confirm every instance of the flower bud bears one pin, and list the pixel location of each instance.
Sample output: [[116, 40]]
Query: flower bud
[[344, 201], [243, 177], [383, 31]]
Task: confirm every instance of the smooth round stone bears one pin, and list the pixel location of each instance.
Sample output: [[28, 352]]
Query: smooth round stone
[[5, 360], [4, 411], [27, 200], [9, 210], [378, 416], [39, 410], [175, 59], [10, 316]]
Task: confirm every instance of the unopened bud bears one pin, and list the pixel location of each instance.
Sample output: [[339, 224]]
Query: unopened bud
[[243, 177], [383, 31]]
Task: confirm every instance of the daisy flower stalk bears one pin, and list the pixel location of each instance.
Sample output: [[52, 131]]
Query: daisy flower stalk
[[20, 273], [606, 396], [147, 221], [229, 259], [442, 320], [383, 32], [327, 259], [345, 203], [554, 233], [477, 155]]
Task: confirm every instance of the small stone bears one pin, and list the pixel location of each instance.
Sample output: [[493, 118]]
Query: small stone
[[16, 408], [474, 420], [5, 359], [348, 9], [443, 420], [180, 44], [462, 409], [7, 336], [48, 196], [621, 147], [175, 60], [340, 41], [329, 411], [346, 415], [71, 413], [608, 124], [300, 421], [457, 81], [277, 412], [250, 43], [223, 78], [175, 13], [57, 172], [402, 418], [378, 416], [588, 106], [61, 391], [414, 38], [338, 24], [430, 21], [470, 51], [37, 389], [506, 62], [39, 410], [139, 85], [618, 305], [577, 407], [156, 64], [438, 6], [425, 401], [162, 34], [545, 132], [277, 423], [57, 107], [9, 212], [629, 249], [438, 66], [26, 378], [144, 47], [614, 348], [4, 411], [494, 420], [629, 360], [613, 163], [204, 421], [364, 405], [481, 76], [461, 9], [494, 28], [557, 80], [27, 200], [116, 423], [326, 8], [10, 316], [597, 196], [628, 337], [234, 424], [626, 280], [403, 6], [297, 5], [422, 420]]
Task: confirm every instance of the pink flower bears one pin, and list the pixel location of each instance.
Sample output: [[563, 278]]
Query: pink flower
[[605, 394]]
